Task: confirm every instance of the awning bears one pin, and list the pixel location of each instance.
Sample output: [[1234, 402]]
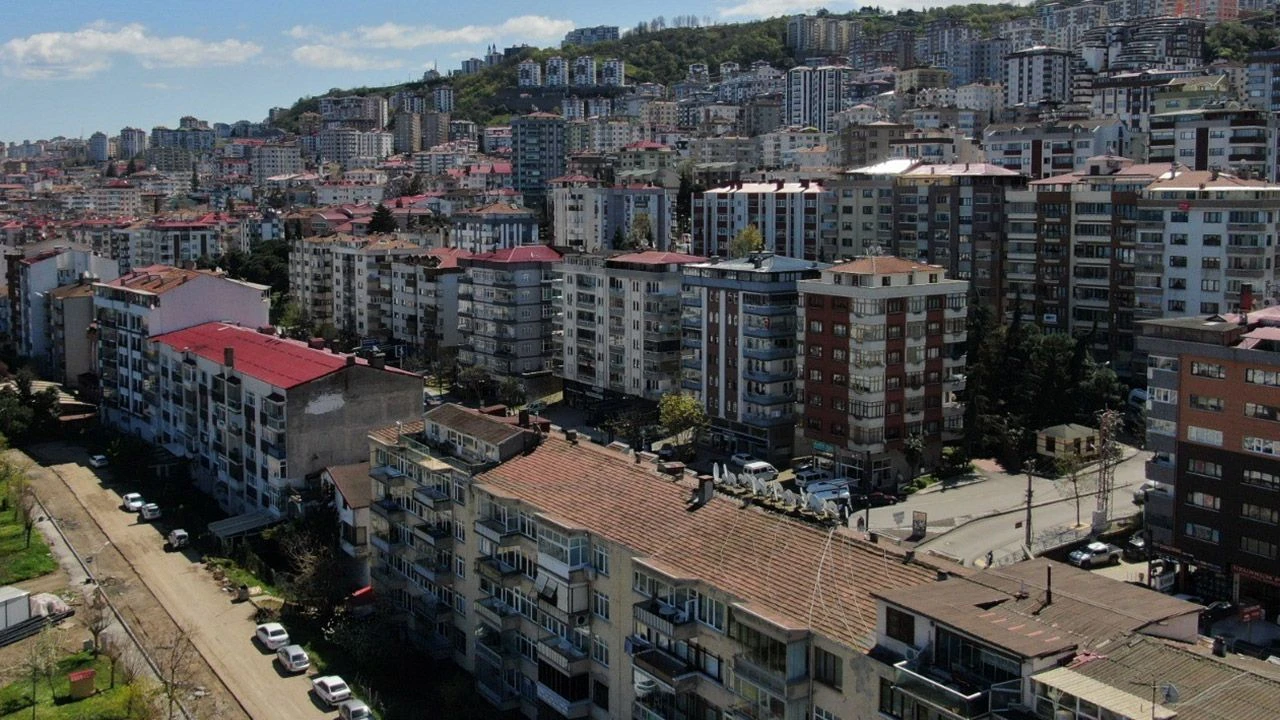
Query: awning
[[240, 524], [1121, 702]]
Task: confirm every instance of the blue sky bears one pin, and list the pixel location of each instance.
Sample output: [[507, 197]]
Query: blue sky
[[72, 67]]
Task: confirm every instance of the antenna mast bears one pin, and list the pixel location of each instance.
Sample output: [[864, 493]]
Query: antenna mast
[[1108, 449]]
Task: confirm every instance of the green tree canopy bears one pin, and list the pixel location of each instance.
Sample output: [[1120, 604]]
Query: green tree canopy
[[682, 415], [382, 221], [747, 241]]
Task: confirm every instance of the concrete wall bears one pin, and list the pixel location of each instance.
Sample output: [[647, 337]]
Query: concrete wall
[[209, 299]]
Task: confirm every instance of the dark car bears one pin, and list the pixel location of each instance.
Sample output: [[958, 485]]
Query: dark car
[[1136, 549], [667, 452], [880, 499], [1214, 612]]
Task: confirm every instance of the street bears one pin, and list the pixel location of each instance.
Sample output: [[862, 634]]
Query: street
[[969, 521], [220, 630]]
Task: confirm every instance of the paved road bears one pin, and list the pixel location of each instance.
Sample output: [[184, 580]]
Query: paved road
[[969, 521], [221, 631]]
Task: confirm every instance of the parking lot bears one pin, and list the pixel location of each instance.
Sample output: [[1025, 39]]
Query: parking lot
[[221, 630]]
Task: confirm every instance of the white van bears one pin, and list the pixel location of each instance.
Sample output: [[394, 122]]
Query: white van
[[759, 469]]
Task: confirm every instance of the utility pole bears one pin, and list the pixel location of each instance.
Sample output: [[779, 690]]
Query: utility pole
[[1028, 467], [1108, 426]]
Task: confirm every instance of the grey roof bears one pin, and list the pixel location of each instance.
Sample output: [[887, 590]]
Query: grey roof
[[470, 422], [1069, 431], [353, 482], [768, 264]]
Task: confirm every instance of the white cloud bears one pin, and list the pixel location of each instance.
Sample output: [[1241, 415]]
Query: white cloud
[[335, 58], [91, 49], [396, 36], [160, 86], [774, 8]]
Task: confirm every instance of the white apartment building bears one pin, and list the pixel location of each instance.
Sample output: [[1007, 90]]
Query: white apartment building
[[353, 148], [256, 415], [589, 218], [424, 299], [815, 95], [1037, 75], [613, 72], [1239, 141], [363, 282], [779, 146], [529, 74], [621, 326], [1202, 236], [522, 559], [557, 72], [272, 159], [508, 307], [174, 241], [151, 301], [791, 216], [117, 197], [585, 72], [32, 279], [367, 112], [987, 99], [1046, 150], [497, 226], [348, 192]]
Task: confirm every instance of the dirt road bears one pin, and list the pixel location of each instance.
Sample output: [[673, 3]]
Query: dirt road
[[221, 631]]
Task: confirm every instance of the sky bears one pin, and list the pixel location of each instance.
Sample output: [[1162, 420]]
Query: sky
[[73, 67]]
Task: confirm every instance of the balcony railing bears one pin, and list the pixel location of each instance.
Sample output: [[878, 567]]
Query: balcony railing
[[760, 420], [388, 508], [664, 666], [563, 655], [432, 497], [775, 681], [436, 535], [497, 613], [493, 690], [497, 531], [666, 619], [936, 688], [564, 706], [496, 569]]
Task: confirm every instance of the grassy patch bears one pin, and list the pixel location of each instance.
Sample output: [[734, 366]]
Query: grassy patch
[[18, 560], [238, 575], [56, 704]]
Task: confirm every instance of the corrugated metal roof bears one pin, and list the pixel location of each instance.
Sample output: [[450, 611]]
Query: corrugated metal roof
[[1103, 695]]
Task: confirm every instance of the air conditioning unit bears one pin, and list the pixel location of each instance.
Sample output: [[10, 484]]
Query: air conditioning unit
[[581, 620]]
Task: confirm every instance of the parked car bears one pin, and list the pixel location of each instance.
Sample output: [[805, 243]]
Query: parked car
[[667, 452], [132, 502], [759, 469], [148, 512], [273, 636], [1136, 548], [178, 539], [811, 475], [1213, 612], [331, 689], [741, 459], [1094, 554], [97, 461], [881, 499], [1140, 494], [354, 710], [293, 658], [830, 490]]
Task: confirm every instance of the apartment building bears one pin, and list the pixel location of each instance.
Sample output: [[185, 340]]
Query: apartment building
[[150, 301], [1261, 89], [613, 72], [883, 360], [368, 112], [30, 279], [424, 300], [953, 216], [1131, 96], [590, 35], [1230, 139], [174, 241], [589, 217], [1037, 75], [72, 344], [792, 217], [869, 144], [311, 276], [256, 415], [117, 197], [272, 159], [1042, 639], [529, 74], [1203, 236], [864, 206], [363, 283], [1051, 149], [621, 327], [813, 96], [562, 605], [353, 148], [1069, 257], [497, 226], [508, 304], [740, 354], [133, 142], [1212, 413], [538, 152]]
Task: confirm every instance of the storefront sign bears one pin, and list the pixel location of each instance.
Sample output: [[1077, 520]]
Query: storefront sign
[[1251, 613], [1257, 575]]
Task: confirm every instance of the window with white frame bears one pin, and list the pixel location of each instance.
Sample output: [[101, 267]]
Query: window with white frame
[[600, 604], [1206, 436]]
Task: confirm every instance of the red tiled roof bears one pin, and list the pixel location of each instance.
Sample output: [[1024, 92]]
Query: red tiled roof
[[655, 257], [274, 360], [795, 574], [523, 253]]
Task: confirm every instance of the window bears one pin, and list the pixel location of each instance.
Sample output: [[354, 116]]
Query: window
[[815, 326], [1210, 285], [1207, 436], [602, 559], [1208, 370], [1260, 513], [1201, 532], [820, 714], [900, 626], [1204, 501], [1262, 377], [600, 605], [1262, 412], [827, 668], [600, 694], [1204, 467], [1254, 546], [1260, 479], [1205, 403], [600, 653], [1262, 446]]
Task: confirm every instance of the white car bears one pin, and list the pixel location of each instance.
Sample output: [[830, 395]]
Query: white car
[[741, 459], [150, 511], [273, 636], [811, 475], [132, 502], [834, 490], [293, 658], [331, 689], [354, 710], [98, 461]]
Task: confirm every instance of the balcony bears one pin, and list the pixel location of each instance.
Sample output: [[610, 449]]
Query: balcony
[[563, 655], [769, 310], [565, 707], [770, 330], [769, 352], [497, 532], [433, 568], [435, 535], [493, 690], [767, 375], [389, 476], [769, 399], [663, 666], [496, 569], [497, 613], [387, 579], [775, 681], [939, 689], [1161, 472], [666, 619], [432, 497], [388, 508]]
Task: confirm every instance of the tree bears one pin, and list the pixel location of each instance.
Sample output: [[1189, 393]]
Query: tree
[[641, 233], [195, 179], [475, 381], [382, 221], [97, 617], [111, 169], [132, 167], [511, 392], [175, 662], [913, 451], [1069, 468], [747, 241], [41, 662], [682, 415], [418, 184]]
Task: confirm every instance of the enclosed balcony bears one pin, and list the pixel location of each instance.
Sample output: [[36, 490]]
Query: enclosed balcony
[[388, 508], [950, 696], [433, 497], [775, 680], [496, 569], [497, 613], [666, 619], [563, 655], [497, 531], [665, 667]]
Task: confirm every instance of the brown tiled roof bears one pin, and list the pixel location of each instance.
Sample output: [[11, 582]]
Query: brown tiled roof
[[72, 290], [1007, 608], [353, 482], [882, 265], [157, 279], [1208, 688], [795, 574], [470, 422]]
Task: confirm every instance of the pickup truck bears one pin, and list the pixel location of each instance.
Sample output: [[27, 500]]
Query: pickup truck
[[1095, 554]]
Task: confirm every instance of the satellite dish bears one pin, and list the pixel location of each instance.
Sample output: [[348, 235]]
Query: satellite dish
[[1169, 693]]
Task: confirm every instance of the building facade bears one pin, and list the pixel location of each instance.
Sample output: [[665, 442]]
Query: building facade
[[508, 302]]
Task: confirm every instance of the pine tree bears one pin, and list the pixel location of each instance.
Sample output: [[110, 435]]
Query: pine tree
[[382, 220]]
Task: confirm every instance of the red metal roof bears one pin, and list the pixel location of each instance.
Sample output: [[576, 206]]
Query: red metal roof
[[274, 360], [524, 253]]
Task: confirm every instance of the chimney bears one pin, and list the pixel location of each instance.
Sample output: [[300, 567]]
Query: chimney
[[351, 360], [571, 435], [229, 357], [778, 184], [1246, 298], [378, 360], [1048, 585], [524, 418]]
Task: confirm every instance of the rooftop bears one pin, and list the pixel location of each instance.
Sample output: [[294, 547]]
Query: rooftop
[[274, 360], [1008, 608], [794, 574], [477, 425], [656, 257], [1197, 180], [353, 483], [883, 265], [960, 170], [523, 253], [159, 279], [763, 263]]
